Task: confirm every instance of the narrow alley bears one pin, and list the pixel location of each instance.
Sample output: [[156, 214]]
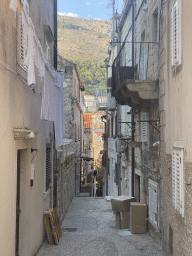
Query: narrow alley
[[89, 229]]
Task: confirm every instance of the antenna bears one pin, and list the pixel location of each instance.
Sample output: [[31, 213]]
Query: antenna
[[112, 4]]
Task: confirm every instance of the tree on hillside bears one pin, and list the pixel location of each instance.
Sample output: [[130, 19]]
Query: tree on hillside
[[91, 73]]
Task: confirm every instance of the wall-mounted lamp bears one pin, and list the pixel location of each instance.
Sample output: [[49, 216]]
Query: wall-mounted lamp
[[103, 119], [32, 174], [33, 149]]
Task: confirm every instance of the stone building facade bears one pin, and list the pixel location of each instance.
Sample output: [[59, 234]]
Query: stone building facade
[[151, 74], [175, 116], [74, 133], [28, 137]]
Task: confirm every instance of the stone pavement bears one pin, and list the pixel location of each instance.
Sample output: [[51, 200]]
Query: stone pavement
[[89, 229]]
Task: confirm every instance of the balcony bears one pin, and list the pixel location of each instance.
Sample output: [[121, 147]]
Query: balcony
[[128, 91], [101, 99]]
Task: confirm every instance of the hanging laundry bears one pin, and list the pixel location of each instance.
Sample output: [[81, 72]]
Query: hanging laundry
[[52, 107], [39, 63]]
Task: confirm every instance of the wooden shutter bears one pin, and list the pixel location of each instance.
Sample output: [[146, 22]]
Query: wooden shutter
[[144, 127], [48, 166], [176, 33], [22, 39], [153, 202], [177, 180]]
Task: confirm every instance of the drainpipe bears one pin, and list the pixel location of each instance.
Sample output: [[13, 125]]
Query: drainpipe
[[55, 34], [132, 115], [81, 144]]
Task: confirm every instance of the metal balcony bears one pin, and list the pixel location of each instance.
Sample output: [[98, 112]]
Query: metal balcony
[[128, 91]]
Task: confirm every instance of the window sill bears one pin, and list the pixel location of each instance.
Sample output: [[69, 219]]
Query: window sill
[[45, 194], [179, 216], [176, 68], [21, 71]]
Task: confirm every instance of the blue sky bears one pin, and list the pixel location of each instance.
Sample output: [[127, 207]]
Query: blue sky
[[88, 9]]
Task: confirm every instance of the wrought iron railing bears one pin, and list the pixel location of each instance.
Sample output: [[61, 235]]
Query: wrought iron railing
[[120, 74]]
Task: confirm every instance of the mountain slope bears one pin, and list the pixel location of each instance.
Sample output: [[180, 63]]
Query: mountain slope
[[83, 39]]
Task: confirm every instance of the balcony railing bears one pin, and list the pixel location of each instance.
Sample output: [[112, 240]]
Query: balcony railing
[[120, 74], [101, 98], [130, 87]]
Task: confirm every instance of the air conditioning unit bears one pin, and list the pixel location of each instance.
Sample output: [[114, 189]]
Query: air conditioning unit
[[121, 145]]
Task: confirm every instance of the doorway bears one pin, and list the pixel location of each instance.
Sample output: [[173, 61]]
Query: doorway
[[137, 188], [23, 189], [18, 203]]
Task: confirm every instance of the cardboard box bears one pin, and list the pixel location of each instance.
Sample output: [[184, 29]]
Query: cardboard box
[[125, 220], [121, 203], [138, 218]]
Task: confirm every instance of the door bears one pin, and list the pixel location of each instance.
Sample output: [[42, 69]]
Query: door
[[17, 204], [137, 188]]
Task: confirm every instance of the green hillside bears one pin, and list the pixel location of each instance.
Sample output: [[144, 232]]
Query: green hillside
[[86, 43]]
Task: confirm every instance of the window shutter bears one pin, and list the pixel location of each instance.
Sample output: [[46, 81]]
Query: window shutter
[[177, 180], [144, 127], [22, 50], [176, 33], [153, 203], [48, 166], [130, 182]]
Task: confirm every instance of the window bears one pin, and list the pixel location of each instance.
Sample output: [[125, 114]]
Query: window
[[129, 60], [79, 132], [153, 203], [176, 33], [112, 126], [76, 132], [142, 58], [155, 24], [177, 180], [47, 51], [48, 166], [116, 174], [116, 125], [108, 124], [130, 182]]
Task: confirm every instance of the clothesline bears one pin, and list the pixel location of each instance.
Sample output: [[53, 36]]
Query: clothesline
[[52, 107]]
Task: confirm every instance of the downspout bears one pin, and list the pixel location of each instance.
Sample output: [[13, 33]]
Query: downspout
[[81, 123], [55, 34], [159, 176], [132, 115], [107, 153]]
